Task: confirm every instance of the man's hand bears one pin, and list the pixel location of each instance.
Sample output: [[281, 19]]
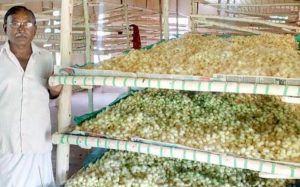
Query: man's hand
[[54, 91]]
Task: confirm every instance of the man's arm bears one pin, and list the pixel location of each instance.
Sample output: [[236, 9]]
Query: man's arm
[[54, 91]]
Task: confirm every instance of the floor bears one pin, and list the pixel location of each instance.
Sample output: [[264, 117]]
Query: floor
[[102, 96]]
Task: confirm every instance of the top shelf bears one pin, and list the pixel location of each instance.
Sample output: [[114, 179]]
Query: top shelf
[[188, 85]]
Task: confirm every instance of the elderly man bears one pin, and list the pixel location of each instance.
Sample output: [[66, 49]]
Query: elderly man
[[25, 128]]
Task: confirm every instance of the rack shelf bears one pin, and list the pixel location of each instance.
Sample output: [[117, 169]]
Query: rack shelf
[[191, 85], [266, 167]]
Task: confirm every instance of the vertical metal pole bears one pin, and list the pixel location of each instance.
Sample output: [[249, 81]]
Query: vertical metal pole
[[88, 50], [160, 20], [233, 8], [228, 7], [64, 110], [47, 6], [177, 16], [87, 31], [125, 5], [166, 18], [53, 45], [220, 7], [192, 13]]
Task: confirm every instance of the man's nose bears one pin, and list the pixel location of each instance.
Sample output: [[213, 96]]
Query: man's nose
[[21, 28]]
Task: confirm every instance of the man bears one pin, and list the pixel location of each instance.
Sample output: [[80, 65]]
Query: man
[[25, 128]]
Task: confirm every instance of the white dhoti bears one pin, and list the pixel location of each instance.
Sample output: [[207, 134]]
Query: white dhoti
[[26, 170]]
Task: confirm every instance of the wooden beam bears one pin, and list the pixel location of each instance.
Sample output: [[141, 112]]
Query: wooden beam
[[247, 21], [253, 4], [64, 103], [223, 25]]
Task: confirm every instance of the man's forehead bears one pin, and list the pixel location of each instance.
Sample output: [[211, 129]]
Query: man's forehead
[[20, 15]]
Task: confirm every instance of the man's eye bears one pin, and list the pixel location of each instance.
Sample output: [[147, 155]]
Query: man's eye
[[28, 24], [16, 24], [19, 24]]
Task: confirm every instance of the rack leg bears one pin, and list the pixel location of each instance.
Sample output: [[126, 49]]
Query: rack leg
[[62, 163]]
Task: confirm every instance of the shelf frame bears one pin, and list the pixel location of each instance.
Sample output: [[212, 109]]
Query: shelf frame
[[188, 85], [284, 170], [64, 102]]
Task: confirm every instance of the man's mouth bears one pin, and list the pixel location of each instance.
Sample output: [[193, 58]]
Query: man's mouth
[[20, 35]]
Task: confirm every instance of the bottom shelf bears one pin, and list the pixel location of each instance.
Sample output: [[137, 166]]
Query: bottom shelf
[[120, 168], [284, 170]]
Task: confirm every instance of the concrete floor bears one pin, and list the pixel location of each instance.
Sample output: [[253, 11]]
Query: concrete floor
[[102, 96]]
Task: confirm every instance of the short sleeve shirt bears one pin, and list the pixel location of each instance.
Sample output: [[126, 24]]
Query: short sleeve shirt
[[25, 125]]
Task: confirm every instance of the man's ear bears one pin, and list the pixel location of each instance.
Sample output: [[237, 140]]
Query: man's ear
[[4, 27], [35, 29]]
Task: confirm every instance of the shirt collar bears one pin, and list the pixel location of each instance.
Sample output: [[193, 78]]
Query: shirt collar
[[34, 47], [5, 46]]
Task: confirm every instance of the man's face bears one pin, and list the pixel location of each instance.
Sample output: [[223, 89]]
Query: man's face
[[20, 28]]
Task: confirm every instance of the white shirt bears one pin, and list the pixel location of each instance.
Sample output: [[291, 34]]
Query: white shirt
[[25, 125]]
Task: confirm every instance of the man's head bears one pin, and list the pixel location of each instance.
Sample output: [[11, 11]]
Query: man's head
[[19, 25]]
